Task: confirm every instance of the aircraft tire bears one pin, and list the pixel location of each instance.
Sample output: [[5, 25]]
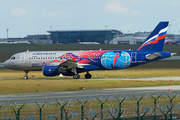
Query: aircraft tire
[[88, 76], [76, 76], [25, 77]]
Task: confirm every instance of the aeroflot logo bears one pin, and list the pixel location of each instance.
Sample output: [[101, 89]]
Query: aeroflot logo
[[154, 40], [44, 53]]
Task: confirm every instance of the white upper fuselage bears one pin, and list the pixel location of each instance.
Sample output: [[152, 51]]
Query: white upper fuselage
[[33, 60]]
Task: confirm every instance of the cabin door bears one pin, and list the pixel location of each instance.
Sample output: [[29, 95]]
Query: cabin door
[[134, 57], [22, 58]]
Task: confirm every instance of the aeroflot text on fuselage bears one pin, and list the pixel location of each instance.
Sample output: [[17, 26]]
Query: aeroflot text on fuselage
[[43, 53]]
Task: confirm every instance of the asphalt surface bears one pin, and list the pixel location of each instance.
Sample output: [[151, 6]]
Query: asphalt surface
[[87, 94], [174, 78]]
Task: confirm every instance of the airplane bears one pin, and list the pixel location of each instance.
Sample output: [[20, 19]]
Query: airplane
[[71, 63]]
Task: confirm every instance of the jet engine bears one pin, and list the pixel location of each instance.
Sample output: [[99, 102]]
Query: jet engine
[[51, 70]]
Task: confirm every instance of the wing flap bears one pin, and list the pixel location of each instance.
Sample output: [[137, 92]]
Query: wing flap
[[69, 64]]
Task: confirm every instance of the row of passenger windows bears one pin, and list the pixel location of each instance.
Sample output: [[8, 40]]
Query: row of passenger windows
[[77, 58], [43, 58]]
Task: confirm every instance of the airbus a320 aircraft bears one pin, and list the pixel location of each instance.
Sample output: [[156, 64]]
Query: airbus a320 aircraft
[[70, 63]]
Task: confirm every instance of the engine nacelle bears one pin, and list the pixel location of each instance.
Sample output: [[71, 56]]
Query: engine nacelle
[[51, 70]]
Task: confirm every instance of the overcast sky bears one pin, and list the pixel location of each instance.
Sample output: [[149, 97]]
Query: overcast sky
[[29, 17]]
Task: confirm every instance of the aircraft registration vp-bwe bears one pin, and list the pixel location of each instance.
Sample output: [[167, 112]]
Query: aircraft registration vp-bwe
[[70, 63]]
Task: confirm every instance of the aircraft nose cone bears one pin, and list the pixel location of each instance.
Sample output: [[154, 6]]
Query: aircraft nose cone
[[6, 63]]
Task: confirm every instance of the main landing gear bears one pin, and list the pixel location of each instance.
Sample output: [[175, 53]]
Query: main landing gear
[[26, 74], [76, 76], [88, 76]]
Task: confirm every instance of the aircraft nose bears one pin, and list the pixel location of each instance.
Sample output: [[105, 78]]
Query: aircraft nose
[[6, 63]]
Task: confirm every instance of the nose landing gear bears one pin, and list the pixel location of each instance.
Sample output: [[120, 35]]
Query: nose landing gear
[[76, 76], [26, 74]]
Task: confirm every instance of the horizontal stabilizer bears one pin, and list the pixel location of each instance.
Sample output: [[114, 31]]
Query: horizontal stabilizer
[[153, 56], [172, 54]]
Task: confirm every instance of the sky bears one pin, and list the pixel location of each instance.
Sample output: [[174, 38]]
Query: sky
[[30, 17]]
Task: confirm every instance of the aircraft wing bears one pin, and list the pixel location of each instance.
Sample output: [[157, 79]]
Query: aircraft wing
[[70, 63], [153, 56]]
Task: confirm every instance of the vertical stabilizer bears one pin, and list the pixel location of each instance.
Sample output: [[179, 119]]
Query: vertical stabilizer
[[155, 41]]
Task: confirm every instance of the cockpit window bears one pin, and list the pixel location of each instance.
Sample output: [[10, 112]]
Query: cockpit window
[[12, 58]]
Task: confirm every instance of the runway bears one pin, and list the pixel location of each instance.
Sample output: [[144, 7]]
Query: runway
[[174, 78], [88, 94]]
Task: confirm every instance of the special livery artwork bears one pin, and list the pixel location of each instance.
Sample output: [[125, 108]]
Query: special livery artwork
[[71, 63], [108, 60], [111, 60], [77, 58]]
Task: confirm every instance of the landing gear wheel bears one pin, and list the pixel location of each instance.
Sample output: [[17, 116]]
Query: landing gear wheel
[[25, 77], [76, 76], [88, 76]]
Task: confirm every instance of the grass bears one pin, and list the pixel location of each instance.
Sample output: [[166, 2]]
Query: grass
[[39, 83], [40, 86], [126, 73]]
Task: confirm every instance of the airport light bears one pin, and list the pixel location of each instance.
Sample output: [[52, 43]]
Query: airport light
[[7, 33], [106, 33], [169, 28], [50, 28]]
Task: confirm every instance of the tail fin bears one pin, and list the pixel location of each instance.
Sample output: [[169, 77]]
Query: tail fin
[[155, 41]]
